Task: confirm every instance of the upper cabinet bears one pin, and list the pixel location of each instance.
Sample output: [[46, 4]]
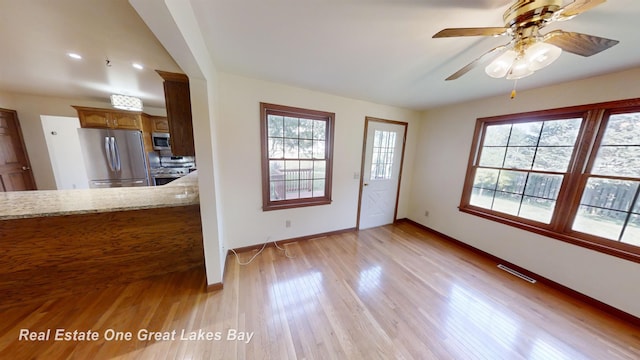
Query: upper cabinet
[[159, 124], [120, 119], [109, 119], [178, 102]]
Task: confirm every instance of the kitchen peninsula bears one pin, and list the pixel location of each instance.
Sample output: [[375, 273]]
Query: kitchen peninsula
[[72, 241]]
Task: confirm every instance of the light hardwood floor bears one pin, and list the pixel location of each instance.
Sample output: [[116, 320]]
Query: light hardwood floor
[[394, 292]]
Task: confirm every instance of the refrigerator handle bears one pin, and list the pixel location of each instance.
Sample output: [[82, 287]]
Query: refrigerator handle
[[107, 150], [116, 153], [112, 145]]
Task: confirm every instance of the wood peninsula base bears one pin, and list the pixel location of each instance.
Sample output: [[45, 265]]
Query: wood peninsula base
[[48, 257]]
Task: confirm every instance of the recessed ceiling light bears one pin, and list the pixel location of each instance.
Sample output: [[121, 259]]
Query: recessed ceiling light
[[137, 66], [74, 56]]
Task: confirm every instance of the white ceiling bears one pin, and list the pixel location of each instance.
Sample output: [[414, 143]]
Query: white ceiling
[[375, 50], [38, 34]]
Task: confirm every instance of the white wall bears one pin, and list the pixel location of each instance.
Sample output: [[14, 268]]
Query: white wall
[[174, 24], [228, 145], [204, 94], [65, 152], [439, 171], [239, 168]]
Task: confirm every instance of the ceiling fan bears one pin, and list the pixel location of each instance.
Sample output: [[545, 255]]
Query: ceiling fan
[[529, 50]]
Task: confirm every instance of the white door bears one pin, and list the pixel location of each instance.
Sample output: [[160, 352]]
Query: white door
[[381, 172]]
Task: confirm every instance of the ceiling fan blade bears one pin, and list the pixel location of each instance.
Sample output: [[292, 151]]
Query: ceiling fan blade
[[579, 6], [491, 54], [577, 43], [484, 31]]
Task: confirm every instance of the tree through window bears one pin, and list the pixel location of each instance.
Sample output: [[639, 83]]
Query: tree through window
[[609, 206]]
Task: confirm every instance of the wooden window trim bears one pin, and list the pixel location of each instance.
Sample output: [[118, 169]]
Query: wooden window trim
[[329, 117], [594, 118]]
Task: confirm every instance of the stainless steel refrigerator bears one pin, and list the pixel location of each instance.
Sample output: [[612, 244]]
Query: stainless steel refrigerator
[[114, 158]]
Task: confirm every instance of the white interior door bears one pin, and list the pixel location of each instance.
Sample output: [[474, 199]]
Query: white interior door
[[381, 172]]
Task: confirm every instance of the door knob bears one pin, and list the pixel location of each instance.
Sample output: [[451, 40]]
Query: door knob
[[25, 168], [365, 184]]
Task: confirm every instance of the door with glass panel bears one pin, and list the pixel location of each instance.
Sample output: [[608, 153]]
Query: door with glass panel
[[381, 170]]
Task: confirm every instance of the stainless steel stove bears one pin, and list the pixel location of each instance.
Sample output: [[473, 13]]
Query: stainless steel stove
[[165, 169]]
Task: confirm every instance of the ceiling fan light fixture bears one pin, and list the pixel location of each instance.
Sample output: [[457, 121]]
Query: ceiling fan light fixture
[[541, 55], [523, 21], [520, 69], [501, 65], [125, 102]]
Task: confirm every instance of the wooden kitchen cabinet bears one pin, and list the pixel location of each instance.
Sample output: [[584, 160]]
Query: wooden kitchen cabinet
[[178, 102], [159, 124], [109, 119], [147, 129], [131, 121]]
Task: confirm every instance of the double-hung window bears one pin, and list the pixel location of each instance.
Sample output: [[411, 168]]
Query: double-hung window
[[297, 154], [609, 206], [571, 173]]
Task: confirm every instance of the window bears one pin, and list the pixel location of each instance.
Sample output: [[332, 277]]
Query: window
[[384, 144], [571, 173], [297, 147], [522, 166], [609, 206]]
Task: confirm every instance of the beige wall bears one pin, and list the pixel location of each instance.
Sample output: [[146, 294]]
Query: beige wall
[[29, 108], [439, 171], [239, 166]]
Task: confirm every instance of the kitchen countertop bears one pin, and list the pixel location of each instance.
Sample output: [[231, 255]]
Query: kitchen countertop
[[29, 204]]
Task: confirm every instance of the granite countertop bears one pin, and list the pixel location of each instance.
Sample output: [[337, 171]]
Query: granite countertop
[[30, 204]]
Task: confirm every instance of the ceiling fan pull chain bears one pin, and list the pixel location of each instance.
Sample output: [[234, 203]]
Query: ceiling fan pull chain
[[513, 92]]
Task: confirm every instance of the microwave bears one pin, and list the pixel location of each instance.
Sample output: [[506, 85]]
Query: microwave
[[161, 141]]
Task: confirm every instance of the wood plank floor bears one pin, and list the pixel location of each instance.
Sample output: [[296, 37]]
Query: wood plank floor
[[394, 292]]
